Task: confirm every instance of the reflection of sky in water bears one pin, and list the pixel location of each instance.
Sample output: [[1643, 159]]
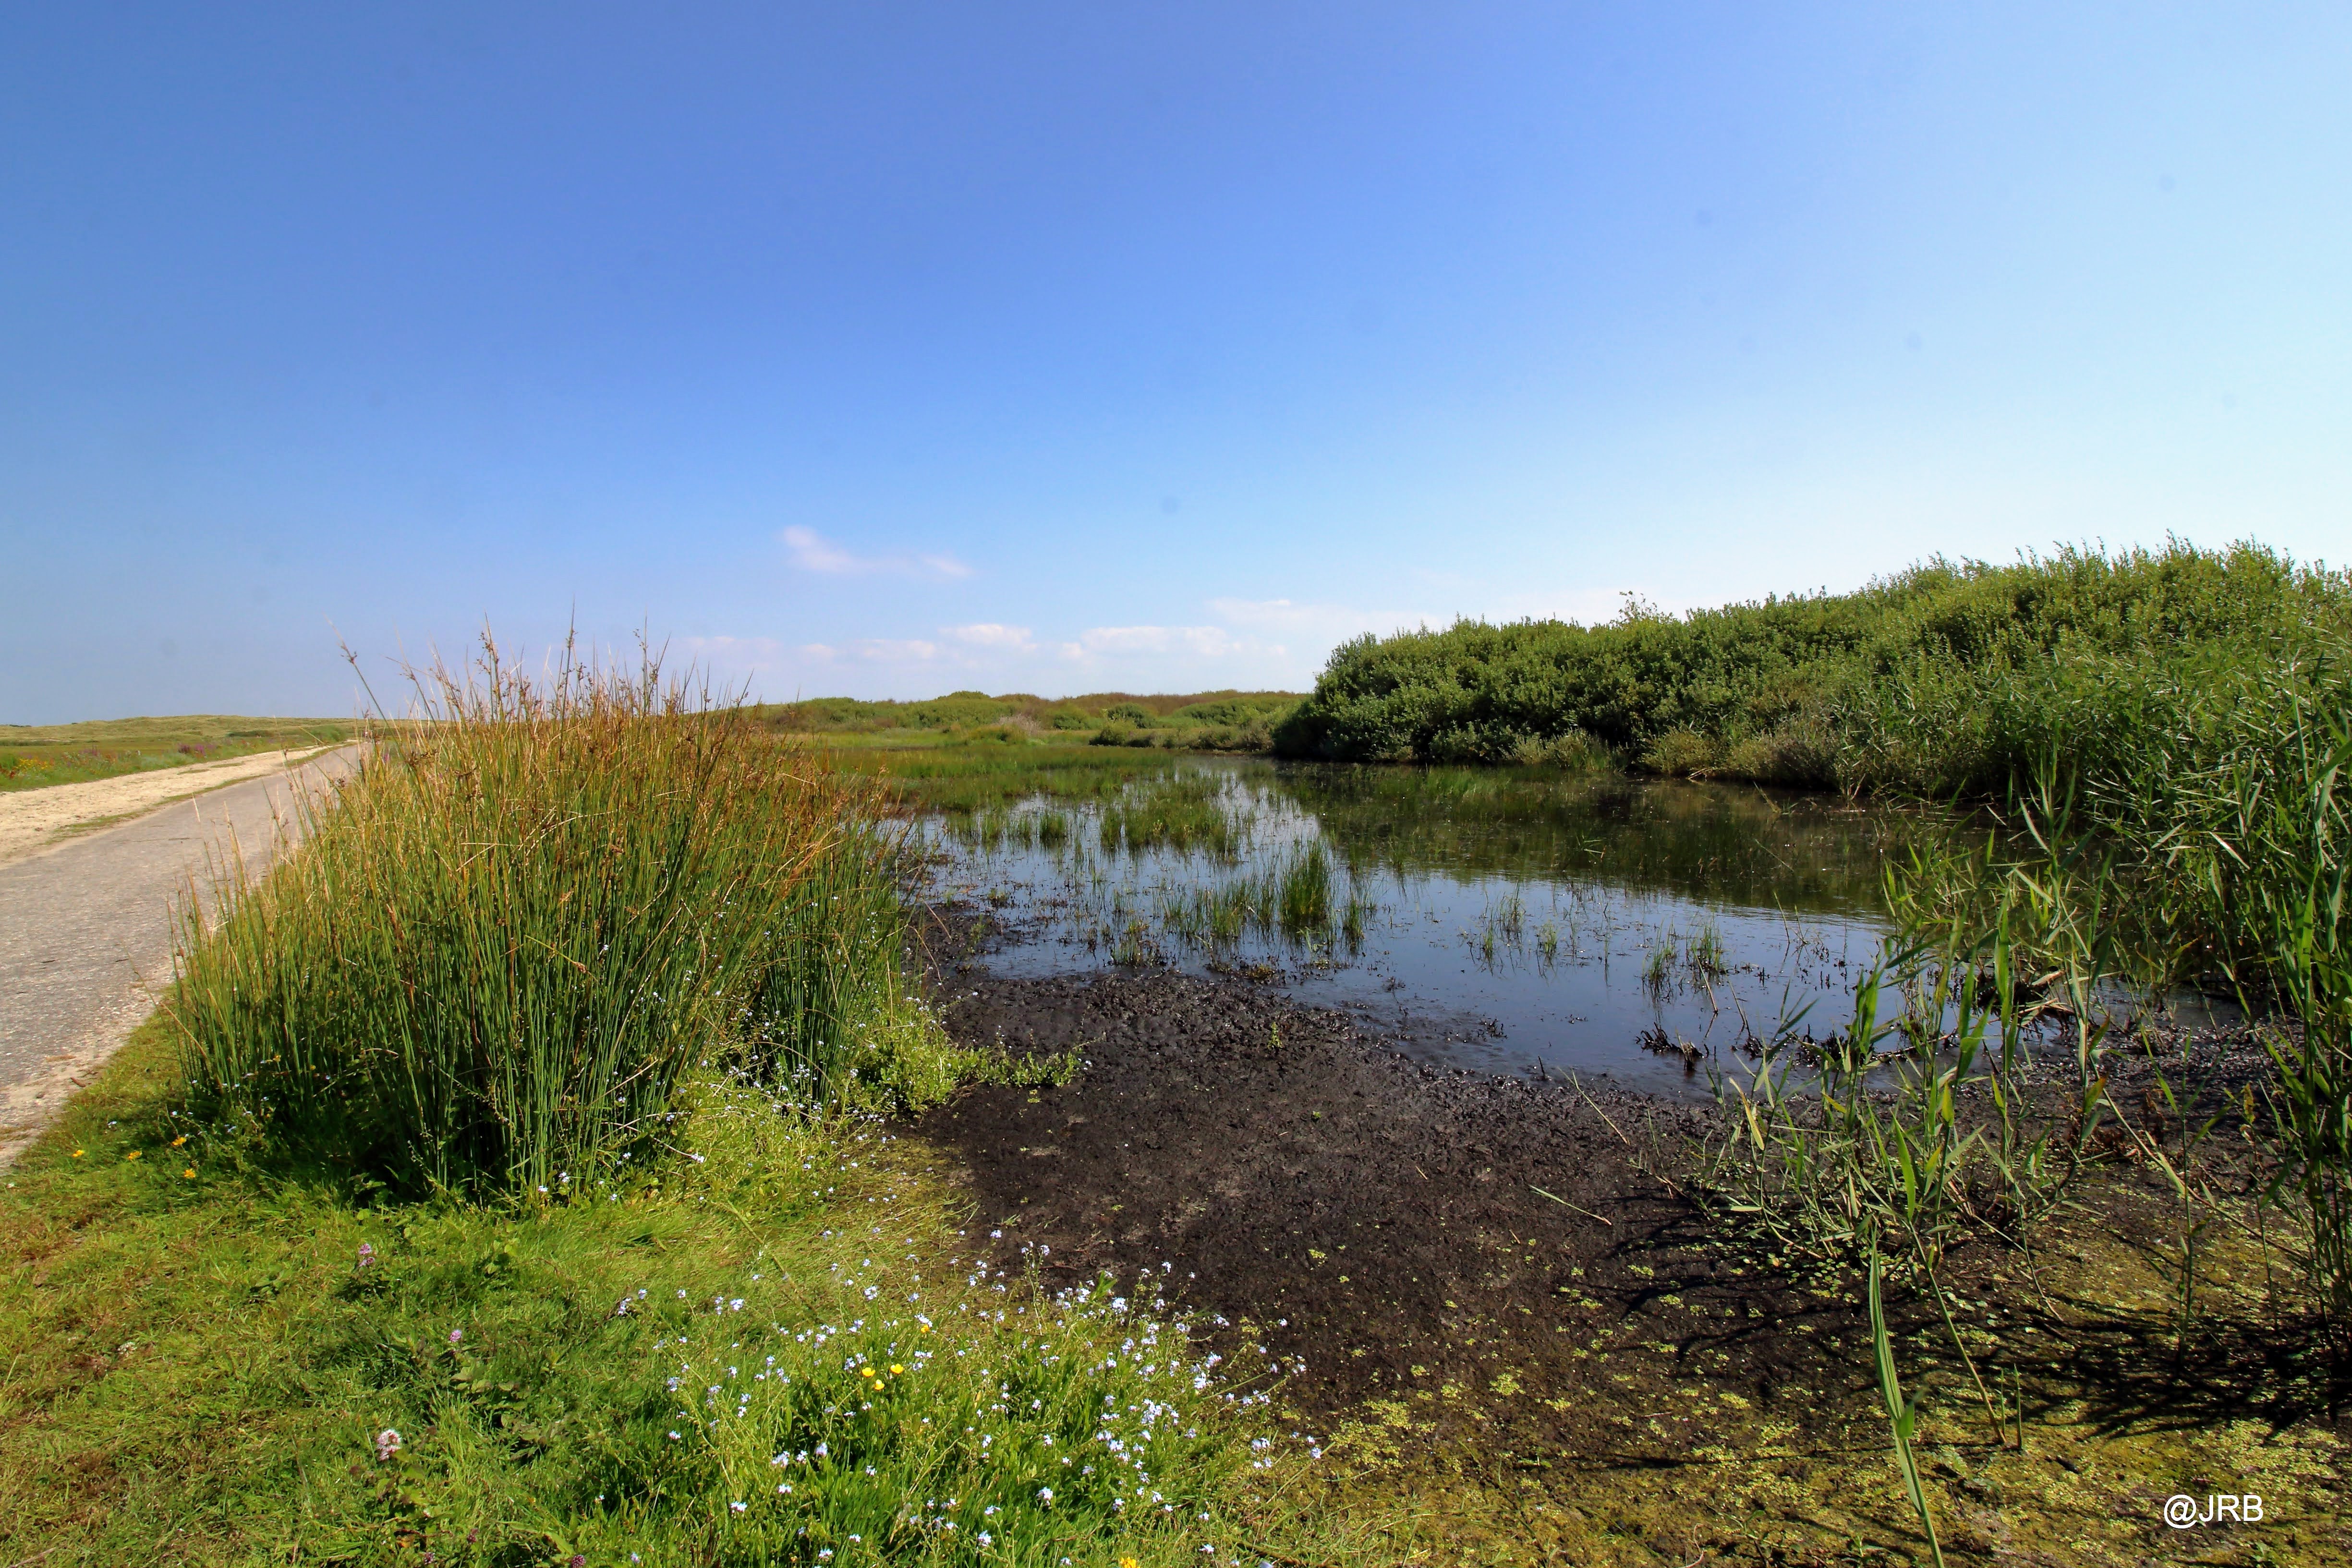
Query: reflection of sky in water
[[1516, 922]]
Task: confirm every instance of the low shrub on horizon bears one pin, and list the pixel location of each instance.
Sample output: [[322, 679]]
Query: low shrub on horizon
[[1226, 720]]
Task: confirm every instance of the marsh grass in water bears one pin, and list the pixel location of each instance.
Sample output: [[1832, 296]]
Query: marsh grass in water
[[1298, 895], [1371, 881]]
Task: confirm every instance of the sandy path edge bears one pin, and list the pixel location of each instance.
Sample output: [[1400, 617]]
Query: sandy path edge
[[36, 821], [88, 925]]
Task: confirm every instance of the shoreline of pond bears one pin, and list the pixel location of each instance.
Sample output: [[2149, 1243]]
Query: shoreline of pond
[[1466, 1267]]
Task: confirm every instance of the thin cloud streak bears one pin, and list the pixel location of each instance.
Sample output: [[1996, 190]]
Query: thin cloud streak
[[1257, 644], [812, 552]]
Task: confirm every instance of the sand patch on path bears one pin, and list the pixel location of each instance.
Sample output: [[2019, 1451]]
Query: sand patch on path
[[33, 821]]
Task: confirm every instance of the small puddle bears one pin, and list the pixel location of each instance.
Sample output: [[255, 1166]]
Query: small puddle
[[1500, 920]]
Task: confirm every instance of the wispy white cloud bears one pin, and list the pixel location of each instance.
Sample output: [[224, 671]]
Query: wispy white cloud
[[1203, 641], [1257, 642], [870, 651], [989, 634], [812, 552]]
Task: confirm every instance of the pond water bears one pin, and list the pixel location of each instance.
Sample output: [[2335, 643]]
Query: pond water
[[1501, 920]]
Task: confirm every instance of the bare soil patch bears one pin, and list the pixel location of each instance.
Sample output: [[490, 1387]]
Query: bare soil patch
[[1410, 1233]]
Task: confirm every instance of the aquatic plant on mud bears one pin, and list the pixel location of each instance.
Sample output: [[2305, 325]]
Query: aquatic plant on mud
[[2215, 856], [510, 931]]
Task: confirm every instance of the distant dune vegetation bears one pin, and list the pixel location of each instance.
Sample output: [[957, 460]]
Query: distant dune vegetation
[[1951, 678], [1213, 721]]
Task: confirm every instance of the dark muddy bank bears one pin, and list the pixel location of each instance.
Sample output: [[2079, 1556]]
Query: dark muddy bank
[[1500, 1254], [1507, 1284]]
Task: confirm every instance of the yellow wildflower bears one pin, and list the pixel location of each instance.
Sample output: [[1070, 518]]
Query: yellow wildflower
[[190, 1173], [131, 1156]]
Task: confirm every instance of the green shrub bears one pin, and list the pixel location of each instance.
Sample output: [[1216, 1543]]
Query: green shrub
[[1132, 714], [1681, 753], [1574, 752], [1236, 712], [1799, 753]]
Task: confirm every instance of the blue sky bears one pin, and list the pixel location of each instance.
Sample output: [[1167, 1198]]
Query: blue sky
[[888, 349]]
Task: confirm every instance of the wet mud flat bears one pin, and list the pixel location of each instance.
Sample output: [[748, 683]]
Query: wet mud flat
[[1400, 1228], [1510, 1279]]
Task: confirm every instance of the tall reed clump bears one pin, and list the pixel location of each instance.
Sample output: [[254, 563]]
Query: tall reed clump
[[2214, 856], [536, 903]]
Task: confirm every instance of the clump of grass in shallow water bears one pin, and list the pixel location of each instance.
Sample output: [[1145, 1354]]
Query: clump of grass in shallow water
[[1298, 895], [506, 937]]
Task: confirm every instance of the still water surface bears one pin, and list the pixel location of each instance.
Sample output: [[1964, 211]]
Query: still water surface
[[1506, 921]]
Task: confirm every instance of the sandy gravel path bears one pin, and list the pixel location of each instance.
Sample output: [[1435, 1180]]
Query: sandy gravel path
[[32, 820], [86, 923]]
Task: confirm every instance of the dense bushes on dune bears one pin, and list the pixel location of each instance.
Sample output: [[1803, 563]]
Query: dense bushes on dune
[[1952, 676]]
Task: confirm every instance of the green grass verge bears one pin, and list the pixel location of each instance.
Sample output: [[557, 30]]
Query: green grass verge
[[962, 775], [774, 1346], [1205, 721]]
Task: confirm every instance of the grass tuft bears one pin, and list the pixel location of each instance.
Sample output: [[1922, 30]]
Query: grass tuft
[[509, 934]]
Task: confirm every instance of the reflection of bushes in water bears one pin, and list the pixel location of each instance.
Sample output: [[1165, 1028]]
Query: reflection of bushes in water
[[1726, 842], [1296, 897]]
